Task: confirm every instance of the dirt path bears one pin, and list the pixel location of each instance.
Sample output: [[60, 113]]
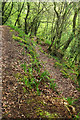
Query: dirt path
[[14, 103], [65, 85], [0, 71], [12, 89]]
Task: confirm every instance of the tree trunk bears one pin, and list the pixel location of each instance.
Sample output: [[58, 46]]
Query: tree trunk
[[6, 16], [51, 43], [3, 5], [68, 42], [73, 31], [36, 28], [19, 14], [19, 17], [28, 6]]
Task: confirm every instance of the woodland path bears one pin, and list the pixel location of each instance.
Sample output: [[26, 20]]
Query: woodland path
[[13, 98], [0, 71], [65, 85], [12, 90]]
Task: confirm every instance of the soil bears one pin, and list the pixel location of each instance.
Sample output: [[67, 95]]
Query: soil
[[18, 104]]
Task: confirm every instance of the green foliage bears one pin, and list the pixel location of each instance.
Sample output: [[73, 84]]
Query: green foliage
[[77, 117], [22, 44], [58, 64], [48, 42], [67, 70], [30, 81], [43, 20], [64, 73], [24, 89], [37, 88], [70, 100], [21, 33], [40, 20], [19, 39], [24, 67], [46, 113], [34, 59], [52, 84], [11, 30], [44, 75], [56, 58]]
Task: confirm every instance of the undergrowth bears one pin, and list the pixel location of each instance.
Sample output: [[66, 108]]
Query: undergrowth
[[67, 71], [34, 77]]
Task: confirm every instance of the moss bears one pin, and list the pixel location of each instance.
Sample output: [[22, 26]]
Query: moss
[[41, 102], [47, 114], [18, 75], [29, 101], [21, 77], [40, 112], [28, 115], [11, 30]]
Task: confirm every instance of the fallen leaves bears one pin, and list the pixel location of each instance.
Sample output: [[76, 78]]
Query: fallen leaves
[[16, 102]]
